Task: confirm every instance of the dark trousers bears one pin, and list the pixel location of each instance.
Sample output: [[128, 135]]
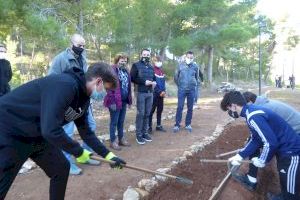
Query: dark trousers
[[143, 104], [189, 95], [158, 103], [252, 169], [117, 119], [15, 151], [289, 174]]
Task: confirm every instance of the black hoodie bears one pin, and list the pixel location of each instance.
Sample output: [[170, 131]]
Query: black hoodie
[[41, 107]]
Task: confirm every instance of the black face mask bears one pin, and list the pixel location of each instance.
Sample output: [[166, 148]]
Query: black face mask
[[146, 59], [233, 114], [77, 50]]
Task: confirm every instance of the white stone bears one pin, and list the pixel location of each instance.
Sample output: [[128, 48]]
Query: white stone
[[131, 194], [162, 170], [131, 128], [147, 184], [187, 153], [104, 137], [163, 118], [169, 117]]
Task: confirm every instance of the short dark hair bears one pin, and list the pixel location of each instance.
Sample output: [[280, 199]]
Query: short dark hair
[[145, 49], [250, 96], [189, 52], [102, 70], [232, 97]]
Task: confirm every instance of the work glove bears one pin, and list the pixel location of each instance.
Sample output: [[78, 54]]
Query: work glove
[[85, 156], [118, 161], [234, 163], [113, 107], [148, 83], [154, 84], [258, 162]]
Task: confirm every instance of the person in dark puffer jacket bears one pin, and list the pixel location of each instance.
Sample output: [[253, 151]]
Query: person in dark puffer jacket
[[158, 95], [116, 101]]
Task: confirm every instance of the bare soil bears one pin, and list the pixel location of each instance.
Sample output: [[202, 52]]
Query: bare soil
[[207, 176]]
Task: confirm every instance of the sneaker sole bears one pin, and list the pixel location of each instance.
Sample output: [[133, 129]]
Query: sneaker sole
[[142, 143], [147, 140]]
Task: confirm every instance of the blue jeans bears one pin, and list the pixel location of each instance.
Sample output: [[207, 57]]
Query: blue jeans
[[69, 129], [117, 119], [189, 95], [144, 106]]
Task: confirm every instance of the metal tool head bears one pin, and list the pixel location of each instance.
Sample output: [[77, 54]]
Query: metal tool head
[[184, 180]]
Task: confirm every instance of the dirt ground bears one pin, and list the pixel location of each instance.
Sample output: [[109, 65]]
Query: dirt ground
[[103, 183], [207, 176]]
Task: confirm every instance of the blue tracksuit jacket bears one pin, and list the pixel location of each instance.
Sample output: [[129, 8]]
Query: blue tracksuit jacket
[[270, 131]]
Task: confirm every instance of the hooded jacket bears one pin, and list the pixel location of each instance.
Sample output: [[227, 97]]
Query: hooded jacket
[[288, 113], [270, 131], [41, 107]]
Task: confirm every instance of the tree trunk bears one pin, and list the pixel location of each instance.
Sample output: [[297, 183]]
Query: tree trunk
[[80, 19], [31, 60], [210, 64]]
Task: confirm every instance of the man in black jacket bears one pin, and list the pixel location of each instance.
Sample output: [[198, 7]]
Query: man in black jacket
[[142, 74], [5, 72], [31, 120]]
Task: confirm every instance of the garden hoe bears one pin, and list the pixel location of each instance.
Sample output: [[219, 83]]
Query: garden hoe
[[177, 178]]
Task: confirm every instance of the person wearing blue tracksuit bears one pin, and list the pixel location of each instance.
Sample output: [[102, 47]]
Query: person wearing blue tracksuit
[[158, 95], [275, 136]]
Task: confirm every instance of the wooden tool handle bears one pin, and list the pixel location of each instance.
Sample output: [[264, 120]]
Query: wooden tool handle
[[222, 161]]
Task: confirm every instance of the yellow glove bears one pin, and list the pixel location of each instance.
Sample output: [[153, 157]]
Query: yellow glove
[[118, 161], [85, 156]]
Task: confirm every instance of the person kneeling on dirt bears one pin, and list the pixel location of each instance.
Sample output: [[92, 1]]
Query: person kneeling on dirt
[[31, 120], [275, 136]]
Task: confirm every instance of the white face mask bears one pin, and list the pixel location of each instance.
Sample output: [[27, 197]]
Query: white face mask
[[2, 55], [158, 64], [188, 61]]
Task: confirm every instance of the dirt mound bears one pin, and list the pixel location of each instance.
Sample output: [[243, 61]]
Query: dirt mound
[[207, 176]]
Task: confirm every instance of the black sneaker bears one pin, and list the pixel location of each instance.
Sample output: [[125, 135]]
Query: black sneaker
[[147, 138], [160, 128], [243, 179], [140, 140], [271, 196]]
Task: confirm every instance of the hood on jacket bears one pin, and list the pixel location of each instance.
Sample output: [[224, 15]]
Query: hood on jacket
[[261, 100], [78, 74]]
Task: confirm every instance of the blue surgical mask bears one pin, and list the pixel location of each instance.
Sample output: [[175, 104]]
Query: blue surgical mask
[[98, 96]]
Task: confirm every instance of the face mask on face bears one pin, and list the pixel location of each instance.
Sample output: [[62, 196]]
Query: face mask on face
[[98, 96], [77, 50], [158, 64], [146, 59], [188, 61], [233, 114]]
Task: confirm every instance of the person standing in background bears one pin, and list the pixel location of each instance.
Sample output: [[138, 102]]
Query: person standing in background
[[158, 95], [142, 74], [74, 56], [116, 101]]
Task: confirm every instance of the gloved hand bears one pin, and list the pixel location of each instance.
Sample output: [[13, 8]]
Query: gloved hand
[[113, 107], [85, 156], [258, 162], [234, 163], [235, 160], [118, 161], [154, 84]]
